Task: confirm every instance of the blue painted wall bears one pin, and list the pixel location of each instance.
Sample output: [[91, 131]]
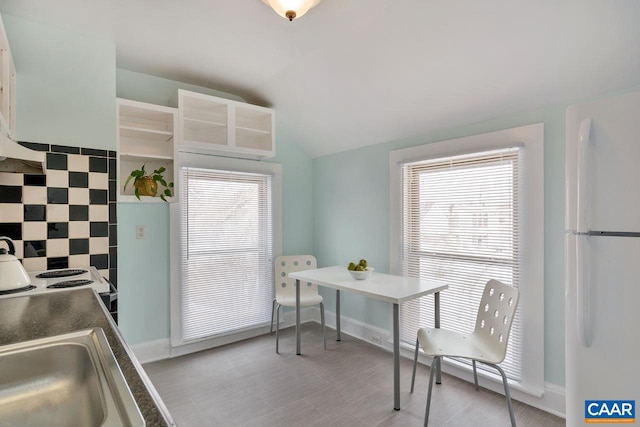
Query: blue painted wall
[[143, 269], [351, 208], [66, 85], [143, 272]]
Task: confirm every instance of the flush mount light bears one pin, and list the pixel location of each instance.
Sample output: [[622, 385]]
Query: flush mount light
[[291, 9]]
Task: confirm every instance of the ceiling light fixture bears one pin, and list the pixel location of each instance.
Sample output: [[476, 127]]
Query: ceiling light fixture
[[291, 9]]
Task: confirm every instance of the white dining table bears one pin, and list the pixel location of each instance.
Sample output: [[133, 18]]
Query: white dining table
[[386, 287]]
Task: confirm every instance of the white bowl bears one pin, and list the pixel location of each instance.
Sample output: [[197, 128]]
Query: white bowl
[[361, 275]]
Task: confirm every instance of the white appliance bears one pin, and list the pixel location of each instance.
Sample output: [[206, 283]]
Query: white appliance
[[602, 309], [61, 280]]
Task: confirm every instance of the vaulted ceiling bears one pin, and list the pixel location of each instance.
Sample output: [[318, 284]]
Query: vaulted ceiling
[[353, 73]]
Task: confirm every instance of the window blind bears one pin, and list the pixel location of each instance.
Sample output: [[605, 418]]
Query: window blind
[[226, 252], [460, 221]]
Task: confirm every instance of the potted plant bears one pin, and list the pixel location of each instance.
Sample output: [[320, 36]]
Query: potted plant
[[146, 184]]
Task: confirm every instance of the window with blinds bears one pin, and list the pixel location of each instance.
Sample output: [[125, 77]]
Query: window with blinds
[[460, 225], [226, 252]]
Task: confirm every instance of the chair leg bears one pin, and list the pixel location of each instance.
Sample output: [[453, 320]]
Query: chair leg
[[277, 327], [273, 312], [324, 338], [415, 362], [475, 374], [435, 365], [507, 395]]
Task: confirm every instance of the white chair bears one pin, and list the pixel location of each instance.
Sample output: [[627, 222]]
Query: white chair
[[486, 344], [286, 289]]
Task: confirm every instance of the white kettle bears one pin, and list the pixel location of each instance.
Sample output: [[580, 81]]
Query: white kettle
[[12, 273]]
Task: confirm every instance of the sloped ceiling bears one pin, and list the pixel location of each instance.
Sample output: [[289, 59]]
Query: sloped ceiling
[[353, 73]]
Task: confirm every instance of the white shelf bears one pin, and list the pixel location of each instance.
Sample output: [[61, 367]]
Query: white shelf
[[225, 127], [142, 157], [146, 148], [253, 139], [126, 198], [145, 137], [203, 123], [253, 130], [149, 134], [256, 118]]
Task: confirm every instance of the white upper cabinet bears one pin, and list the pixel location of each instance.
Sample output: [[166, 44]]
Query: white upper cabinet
[[225, 127], [7, 86], [145, 137]]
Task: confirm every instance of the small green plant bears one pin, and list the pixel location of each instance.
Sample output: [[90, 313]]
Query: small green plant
[[146, 184]]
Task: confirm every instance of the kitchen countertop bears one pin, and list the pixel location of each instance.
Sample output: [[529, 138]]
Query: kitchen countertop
[[30, 317]]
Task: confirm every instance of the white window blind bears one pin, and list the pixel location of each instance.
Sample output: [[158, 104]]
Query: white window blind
[[460, 225], [226, 246]]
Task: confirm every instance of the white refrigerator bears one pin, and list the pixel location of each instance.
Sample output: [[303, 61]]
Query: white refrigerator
[[602, 244]]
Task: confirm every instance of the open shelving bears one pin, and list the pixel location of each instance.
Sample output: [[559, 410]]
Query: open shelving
[[151, 135], [225, 127], [145, 137]]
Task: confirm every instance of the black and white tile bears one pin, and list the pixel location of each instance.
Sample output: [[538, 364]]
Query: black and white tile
[[67, 217]]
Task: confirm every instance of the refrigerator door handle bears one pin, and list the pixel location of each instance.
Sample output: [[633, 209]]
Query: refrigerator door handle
[[582, 229], [583, 315], [582, 178]]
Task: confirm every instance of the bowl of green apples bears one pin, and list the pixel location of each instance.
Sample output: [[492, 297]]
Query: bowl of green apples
[[361, 270]]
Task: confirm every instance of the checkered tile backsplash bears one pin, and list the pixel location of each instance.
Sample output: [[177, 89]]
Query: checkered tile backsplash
[[66, 218]]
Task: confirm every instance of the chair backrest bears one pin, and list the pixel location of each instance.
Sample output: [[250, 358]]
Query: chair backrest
[[495, 316], [285, 286]]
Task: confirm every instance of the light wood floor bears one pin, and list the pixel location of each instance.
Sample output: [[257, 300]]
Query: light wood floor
[[349, 384]]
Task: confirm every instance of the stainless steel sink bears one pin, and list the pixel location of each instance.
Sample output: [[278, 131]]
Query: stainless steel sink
[[65, 380]]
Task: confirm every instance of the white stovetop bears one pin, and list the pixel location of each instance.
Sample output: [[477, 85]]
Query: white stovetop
[[99, 283]]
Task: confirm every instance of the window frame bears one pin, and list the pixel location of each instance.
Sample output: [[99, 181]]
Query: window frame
[[531, 138], [206, 161]]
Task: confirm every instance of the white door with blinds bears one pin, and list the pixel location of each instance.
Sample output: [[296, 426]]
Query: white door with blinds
[[226, 250], [460, 226]]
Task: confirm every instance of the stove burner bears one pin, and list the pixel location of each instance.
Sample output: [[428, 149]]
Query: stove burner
[[70, 283], [60, 273], [15, 291]]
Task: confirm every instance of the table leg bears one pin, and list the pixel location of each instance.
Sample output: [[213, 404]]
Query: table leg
[[338, 337], [437, 325], [396, 357], [297, 316]]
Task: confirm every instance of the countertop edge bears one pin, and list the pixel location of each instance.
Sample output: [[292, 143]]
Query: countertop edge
[[137, 365]]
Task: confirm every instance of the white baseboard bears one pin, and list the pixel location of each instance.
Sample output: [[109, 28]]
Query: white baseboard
[[555, 400], [152, 351], [551, 399]]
